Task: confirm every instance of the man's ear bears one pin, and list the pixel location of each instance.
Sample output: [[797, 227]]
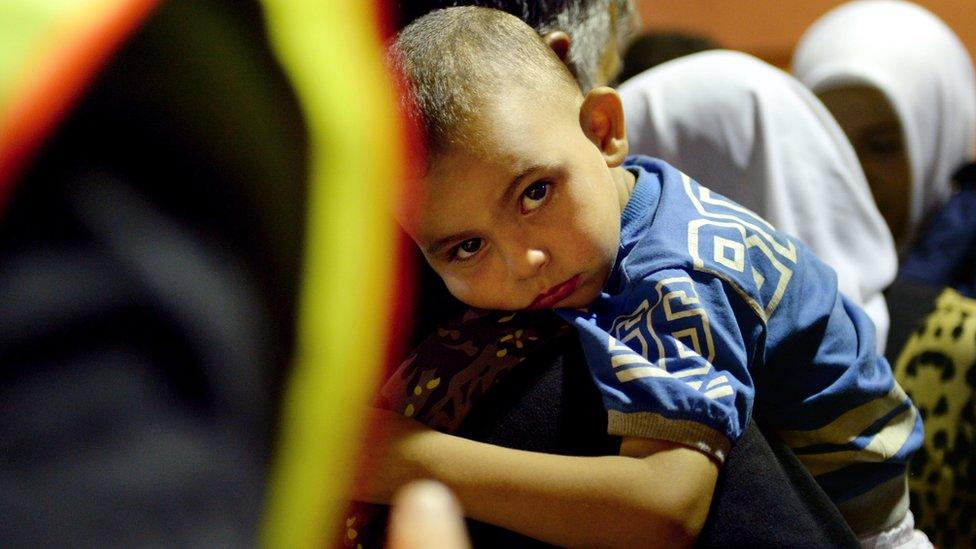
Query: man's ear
[[559, 42], [602, 120]]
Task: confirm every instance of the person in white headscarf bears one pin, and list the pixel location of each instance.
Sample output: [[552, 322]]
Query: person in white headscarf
[[902, 86], [751, 132]]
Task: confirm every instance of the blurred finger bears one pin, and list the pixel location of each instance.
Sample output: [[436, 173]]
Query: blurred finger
[[426, 516]]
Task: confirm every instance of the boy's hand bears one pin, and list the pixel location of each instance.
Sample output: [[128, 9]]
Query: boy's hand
[[393, 455]]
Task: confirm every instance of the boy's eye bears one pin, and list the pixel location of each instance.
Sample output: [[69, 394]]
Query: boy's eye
[[534, 195], [467, 249]]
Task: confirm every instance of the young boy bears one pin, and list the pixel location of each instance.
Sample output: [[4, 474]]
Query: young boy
[[691, 310]]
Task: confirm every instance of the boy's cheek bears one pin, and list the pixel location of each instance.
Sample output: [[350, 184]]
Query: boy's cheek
[[472, 291], [453, 283], [459, 288]]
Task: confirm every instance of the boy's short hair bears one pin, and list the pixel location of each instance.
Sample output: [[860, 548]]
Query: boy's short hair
[[455, 60], [591, 24]]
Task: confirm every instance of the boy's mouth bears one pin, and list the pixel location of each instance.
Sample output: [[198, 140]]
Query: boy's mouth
[[554, 295]]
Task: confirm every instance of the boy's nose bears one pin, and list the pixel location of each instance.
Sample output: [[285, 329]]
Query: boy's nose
[[526, 263]]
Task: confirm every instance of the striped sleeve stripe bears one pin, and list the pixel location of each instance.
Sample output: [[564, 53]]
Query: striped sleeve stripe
[[885, 444], [849, 425]]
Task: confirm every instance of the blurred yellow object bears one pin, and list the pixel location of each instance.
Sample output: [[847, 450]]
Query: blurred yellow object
[[333, 54], [49, 52], [26, 28]]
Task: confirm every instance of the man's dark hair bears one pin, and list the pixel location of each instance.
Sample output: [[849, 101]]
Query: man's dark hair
[[653, 48], [535, 13]]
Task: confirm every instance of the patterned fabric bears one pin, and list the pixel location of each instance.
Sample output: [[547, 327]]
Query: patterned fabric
[[937, 368], [448, 373], [710, 310], [445, 377]]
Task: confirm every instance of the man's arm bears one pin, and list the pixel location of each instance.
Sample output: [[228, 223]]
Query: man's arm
[[654, 493]]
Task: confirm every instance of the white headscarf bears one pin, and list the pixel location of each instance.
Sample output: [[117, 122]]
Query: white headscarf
[[751, 132], [922, 68]]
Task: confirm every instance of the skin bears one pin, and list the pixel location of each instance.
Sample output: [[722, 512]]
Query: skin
[[655, 494], [874, 129], [425, 515], [518, 233], [610, 63], [535, 205]]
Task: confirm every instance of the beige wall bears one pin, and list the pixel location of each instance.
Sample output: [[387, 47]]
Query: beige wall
[[770, 28]]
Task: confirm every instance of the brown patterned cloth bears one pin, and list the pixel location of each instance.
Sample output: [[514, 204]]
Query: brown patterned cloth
[[445, 377]]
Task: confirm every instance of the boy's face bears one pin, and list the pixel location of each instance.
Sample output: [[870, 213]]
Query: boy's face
[[531, 218]]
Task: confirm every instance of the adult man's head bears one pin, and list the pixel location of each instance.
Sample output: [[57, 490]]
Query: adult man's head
[[588, 35]]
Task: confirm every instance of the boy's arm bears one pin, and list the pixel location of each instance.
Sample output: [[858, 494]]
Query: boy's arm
[[654, 493]]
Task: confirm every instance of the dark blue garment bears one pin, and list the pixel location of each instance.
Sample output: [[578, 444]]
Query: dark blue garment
[[945, 253]]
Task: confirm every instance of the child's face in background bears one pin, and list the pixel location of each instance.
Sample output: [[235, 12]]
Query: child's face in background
[[876, 133], [530, 218]]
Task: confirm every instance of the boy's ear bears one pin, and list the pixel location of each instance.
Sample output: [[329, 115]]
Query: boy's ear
[[602, 120], [559, 42]]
